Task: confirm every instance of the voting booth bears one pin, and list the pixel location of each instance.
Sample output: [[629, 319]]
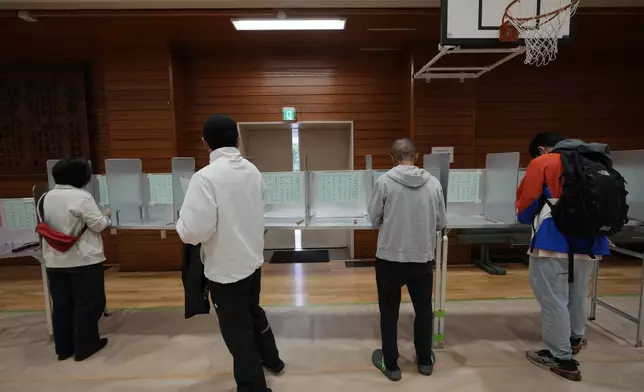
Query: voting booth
[[339, 198], [144, 200], [17, 224], [285, 199]]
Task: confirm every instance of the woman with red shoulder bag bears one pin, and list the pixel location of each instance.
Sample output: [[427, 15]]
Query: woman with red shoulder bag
[[70, 227]]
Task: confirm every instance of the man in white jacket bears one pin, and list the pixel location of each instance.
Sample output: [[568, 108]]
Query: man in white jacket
[[223, 210]]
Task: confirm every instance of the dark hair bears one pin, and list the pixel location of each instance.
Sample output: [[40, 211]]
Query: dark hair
[[220, 131], [73, 171], [544, 139], [403, 150]]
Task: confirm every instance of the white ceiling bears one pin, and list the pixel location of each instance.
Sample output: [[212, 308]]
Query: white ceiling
[[232, 4]]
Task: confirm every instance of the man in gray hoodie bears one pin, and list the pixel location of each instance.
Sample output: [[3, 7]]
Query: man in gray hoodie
[[408, 207]]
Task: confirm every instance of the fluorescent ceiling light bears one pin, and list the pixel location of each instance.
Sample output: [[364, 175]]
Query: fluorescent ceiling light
[[289, 24]]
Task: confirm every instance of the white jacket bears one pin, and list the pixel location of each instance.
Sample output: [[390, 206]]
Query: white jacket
[[223, 210], [67, 210]]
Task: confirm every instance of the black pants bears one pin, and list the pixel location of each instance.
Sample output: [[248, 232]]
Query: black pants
[[245, 330], [79, 301], [418, 278]]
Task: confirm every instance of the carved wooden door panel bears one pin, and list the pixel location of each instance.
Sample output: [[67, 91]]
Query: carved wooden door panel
[[43, 115]]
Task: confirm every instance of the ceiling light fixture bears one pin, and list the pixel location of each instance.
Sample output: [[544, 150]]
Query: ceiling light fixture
[[288, 24]]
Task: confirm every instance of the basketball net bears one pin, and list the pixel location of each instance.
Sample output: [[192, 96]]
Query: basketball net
[[540, 32]]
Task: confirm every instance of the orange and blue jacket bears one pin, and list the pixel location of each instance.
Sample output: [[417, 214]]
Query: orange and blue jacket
[[542, 179]]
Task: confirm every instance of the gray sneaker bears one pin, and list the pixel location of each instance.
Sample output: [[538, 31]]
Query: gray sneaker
[[427, 370], [568, 369], [378, 360]]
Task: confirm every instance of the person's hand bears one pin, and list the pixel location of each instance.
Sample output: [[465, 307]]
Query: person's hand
[[108, 212]]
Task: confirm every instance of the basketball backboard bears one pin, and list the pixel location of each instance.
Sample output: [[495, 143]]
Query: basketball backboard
[[477, 22]]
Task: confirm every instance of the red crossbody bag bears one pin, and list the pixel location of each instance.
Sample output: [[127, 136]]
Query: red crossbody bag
[[57, 240]]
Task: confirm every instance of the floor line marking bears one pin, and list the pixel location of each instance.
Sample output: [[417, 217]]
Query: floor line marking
[[274, 306]]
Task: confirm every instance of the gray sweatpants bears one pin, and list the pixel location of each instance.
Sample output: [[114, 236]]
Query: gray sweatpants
[[563, 304]]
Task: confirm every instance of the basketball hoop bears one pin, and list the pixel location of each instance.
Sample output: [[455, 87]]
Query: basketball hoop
[[540, 32]]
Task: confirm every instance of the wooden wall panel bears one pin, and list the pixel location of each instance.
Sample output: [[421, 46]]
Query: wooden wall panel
[[140, 116], [597, 104], [139, 108], [366, 88], [444, 116]]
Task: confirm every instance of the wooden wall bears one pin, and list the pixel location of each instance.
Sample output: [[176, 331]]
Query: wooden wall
[[363, 87], [150, 101]]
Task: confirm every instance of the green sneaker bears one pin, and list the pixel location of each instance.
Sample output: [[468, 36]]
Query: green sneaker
[[378, 360], [428, 369]]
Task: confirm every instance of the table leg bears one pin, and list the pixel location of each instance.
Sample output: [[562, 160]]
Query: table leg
[[486, 264], [45, 289], [594, 290], [444, 286], [640, 331], [437, 338]]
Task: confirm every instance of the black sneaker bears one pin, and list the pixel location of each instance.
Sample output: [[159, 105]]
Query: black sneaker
[[427, 369], [99, 346], [378, 360], [568, 369], [278, 369], [577, 345], [63, 357]]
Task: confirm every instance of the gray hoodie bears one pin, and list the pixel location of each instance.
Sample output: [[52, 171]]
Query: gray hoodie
[[408, 207]]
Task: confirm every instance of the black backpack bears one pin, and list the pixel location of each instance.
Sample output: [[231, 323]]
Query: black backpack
[[592, 202]]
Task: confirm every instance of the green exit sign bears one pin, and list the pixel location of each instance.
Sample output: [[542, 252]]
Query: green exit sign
[[288, 114]]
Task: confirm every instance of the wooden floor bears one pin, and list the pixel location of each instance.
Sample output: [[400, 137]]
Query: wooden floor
[[299, 285]]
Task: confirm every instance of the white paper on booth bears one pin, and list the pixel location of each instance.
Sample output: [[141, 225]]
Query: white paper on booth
[[282, 188], [102, 190], [31, 219], [338, 187], [463, 187], [20, 214], [521, 175], [160, 188], [184, 184]]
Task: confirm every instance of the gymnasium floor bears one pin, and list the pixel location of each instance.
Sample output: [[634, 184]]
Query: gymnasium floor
[[326, 329]]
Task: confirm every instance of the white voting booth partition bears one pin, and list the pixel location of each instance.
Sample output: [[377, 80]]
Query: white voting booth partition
[[182, 171]]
